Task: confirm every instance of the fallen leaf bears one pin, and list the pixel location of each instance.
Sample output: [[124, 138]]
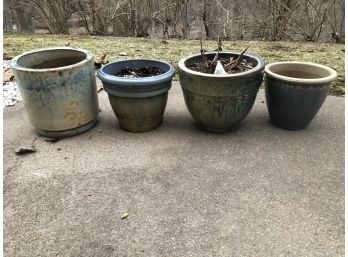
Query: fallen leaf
[[103, 58], [124, 216], [8, 75], [25, 149], [101, 61]]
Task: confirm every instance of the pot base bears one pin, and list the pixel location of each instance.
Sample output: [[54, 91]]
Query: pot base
[[290, 126], [68, 132], [140, 125], [219, 130]]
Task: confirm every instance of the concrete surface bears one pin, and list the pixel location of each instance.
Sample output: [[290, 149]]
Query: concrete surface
[[258, 191]]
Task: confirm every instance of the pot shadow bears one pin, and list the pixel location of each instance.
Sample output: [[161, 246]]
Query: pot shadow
[[257, 122]]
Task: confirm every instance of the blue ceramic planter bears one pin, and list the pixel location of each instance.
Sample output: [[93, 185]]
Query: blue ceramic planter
[[59, 90], [295, 92], [219, 103], [138, 103]]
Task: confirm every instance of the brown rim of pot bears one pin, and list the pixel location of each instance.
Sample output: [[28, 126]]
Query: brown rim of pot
[[327, 74]]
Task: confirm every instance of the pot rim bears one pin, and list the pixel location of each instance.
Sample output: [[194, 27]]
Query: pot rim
[[332, 73], [14, 62], [258, 68], [116, 80]]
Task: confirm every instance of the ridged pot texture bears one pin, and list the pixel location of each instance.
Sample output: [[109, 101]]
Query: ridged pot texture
[[219, 103]]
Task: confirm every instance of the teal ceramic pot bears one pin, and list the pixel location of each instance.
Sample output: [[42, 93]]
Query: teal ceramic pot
[[138, 103], [295, 92], [219, 103], [59, 90]]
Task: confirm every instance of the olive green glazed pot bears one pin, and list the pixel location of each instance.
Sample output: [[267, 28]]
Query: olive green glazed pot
[[138, 103], [58, 87], [219, 103]]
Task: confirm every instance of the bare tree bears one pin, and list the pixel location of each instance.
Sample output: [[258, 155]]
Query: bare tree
[[335, 19], [99, 15], [315, 12], [7, 16], [22, 15], [53, 15], [309, 20]]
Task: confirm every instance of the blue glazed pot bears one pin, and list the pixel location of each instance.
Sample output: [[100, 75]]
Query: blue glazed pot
[[138, 103], [295, 92], [219, 103], [59, 90]]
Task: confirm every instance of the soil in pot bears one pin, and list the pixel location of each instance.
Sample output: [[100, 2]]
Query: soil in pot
[[231, 65], [143, 72]]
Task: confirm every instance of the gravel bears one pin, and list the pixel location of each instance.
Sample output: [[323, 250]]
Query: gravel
[[11, 94]]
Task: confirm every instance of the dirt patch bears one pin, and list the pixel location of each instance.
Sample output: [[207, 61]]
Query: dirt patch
[[140, 73]]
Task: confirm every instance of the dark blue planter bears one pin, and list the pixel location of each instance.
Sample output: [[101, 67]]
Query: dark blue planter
[[295, 92], [138, 103]]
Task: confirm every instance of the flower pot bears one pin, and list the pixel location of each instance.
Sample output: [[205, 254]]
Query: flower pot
[[295, 91], [59, 90], [219, 103], [138, 103]]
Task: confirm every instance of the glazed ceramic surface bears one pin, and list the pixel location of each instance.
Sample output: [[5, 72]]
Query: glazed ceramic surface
[[138, 103], [295, 92], [59, 89], [219, 103]]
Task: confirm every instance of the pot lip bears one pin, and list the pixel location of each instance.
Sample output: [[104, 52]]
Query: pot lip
[[115, 80], [329, 78], [258, 68], [14, 62]]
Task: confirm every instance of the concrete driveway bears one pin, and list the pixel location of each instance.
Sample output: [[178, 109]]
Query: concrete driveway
[[258, 191]]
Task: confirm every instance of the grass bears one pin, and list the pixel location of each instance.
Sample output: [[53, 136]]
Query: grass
[[328, 54]]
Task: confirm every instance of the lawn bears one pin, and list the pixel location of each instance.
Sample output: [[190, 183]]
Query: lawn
[[172, 50]]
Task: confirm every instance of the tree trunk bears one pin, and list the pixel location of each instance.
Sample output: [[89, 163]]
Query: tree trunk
[[7, 16], [205, 23], [22, 16], [185, 20]]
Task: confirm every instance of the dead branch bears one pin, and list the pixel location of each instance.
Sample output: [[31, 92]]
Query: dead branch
[[202, 53], [239, 59], [218, 49]]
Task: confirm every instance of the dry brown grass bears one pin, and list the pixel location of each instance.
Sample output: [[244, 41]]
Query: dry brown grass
[[324, 53]]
